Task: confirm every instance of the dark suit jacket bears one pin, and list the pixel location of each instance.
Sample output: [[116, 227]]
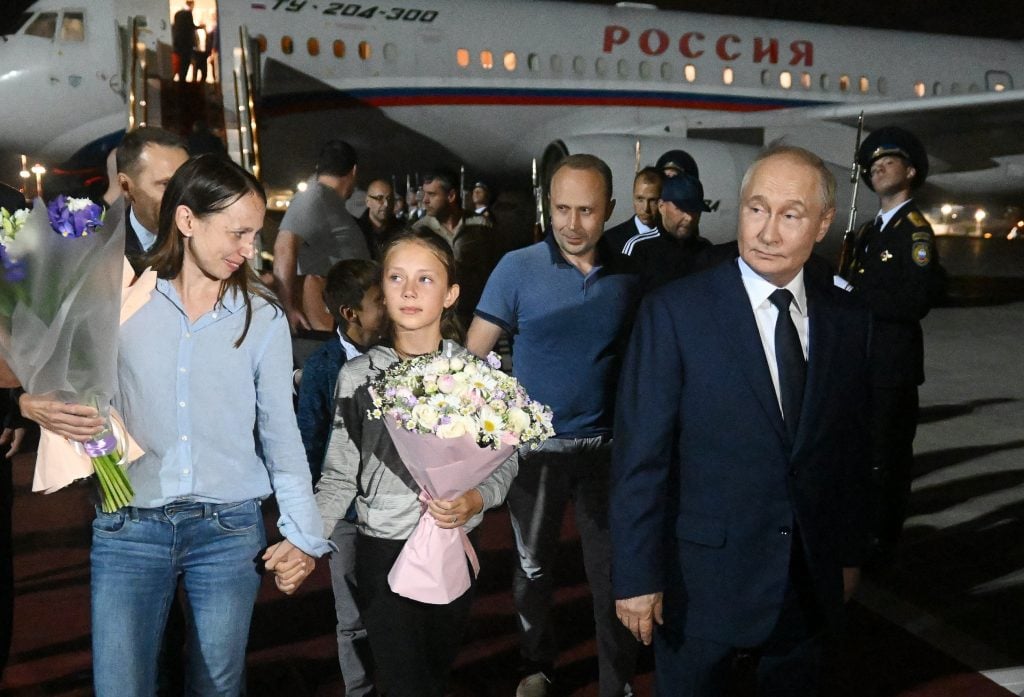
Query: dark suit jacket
[[708, 492], [132, 246]]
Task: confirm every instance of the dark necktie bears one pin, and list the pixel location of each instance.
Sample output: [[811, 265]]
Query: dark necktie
[[789, 357]]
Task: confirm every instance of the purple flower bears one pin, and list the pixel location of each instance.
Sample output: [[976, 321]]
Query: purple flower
[[493, 360], [14, 270], [74, 217]]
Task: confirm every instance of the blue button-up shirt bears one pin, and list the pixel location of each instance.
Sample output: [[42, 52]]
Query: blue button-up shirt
[[216, 421]]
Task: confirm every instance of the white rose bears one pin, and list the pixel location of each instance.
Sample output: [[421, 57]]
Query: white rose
[[457, 364], [426, 416], [438, 366], [517, 419], [453, 429]]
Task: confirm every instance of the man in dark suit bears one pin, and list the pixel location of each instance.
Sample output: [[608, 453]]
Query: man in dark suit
[[146, 159], [739, 483]]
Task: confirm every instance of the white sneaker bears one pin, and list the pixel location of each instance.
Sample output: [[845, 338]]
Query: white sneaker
[[533, 685]]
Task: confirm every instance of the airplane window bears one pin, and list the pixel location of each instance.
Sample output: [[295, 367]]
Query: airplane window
[[623, 67], [390, 51], [578, 65], [973, 88], [919, 89], [339, 48], [844, 83], [785, 79], [556, 64], [727, 76], [44, 25], [364, 50], [805, 80], [72, 27], [883, 85], [937, 88], [766, 77], [313, 47], [533, 62], [865, 84], [510, 60], [645, 70], [825, 83], [261, 43], [998, 81], [666, 71], [955, 88], [486, 60], [601, 67], [690, 72], [287, 46], [462, 58]]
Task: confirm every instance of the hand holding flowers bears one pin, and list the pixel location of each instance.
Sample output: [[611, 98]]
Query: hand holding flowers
[[454, 419]]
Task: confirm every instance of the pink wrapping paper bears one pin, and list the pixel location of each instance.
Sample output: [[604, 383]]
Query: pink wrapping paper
[[60, 462], [432, 566]]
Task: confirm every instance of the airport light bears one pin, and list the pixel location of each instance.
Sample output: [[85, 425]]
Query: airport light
[[24, 174], [301, 186], [39, 171], [946, 209], [979, 215]]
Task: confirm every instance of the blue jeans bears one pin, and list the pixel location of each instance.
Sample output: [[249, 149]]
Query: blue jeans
[[138, 555]]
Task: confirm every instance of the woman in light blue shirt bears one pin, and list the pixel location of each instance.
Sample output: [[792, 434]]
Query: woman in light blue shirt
[[205, 389]]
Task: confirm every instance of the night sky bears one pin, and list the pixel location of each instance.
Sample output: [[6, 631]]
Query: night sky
[[993, 18], [996, 18]]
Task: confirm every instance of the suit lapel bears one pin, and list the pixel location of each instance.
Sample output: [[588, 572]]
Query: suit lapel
[[736, 319]]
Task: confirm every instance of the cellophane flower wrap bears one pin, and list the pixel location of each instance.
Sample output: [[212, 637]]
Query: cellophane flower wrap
[[59, 317], [453, 419]]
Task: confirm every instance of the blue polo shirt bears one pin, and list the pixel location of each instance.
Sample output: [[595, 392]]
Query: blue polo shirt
[[569, 330]]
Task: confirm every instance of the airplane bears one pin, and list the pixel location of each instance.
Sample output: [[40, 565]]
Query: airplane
[[493, 85]]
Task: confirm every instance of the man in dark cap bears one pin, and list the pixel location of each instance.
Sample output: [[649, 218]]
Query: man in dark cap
[[676, 250], [892, 266], [481, 197], [675, 162], [317, 232]]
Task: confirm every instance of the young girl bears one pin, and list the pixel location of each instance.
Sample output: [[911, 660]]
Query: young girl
[[204, 370], [414, 644]]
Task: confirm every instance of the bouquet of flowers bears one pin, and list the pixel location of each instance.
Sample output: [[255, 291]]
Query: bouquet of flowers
[[453, 419], [63, 272]]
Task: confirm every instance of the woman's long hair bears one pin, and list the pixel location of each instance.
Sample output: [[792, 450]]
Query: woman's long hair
[[206, 184], [451, 328]]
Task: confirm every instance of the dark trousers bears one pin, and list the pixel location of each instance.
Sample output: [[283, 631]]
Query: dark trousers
[[789, 661], [184, 61], [414, 644], [560, 470], [893, 424]]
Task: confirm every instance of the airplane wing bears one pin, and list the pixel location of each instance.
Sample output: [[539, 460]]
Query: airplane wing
[[963, 132]]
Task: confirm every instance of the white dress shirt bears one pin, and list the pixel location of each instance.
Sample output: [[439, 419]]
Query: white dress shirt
[[765, 313]]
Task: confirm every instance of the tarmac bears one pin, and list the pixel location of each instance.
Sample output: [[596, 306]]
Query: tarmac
[[944, 621]]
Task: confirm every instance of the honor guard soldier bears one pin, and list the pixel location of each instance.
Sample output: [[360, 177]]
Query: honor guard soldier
[[892, 265]]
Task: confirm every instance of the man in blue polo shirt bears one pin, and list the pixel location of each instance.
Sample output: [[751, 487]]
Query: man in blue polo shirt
[[567, 301]]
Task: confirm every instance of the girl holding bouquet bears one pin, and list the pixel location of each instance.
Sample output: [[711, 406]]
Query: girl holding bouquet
[[414, 643], [204, 371]]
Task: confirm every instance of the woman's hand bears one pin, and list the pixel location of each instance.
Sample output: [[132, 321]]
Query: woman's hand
[[290, 565], [458, 511], [72, 421]]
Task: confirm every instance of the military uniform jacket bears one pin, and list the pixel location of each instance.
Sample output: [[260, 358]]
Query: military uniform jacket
[[894, 272]]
